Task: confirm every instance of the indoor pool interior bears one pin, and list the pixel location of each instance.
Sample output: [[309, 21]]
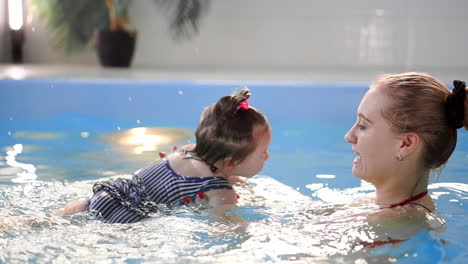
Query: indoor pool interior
[[59, 135]]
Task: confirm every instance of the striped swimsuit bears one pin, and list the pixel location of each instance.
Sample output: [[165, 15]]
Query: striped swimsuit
[[130, 200]]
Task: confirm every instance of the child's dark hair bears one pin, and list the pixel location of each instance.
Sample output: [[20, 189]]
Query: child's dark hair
[[226, 129]]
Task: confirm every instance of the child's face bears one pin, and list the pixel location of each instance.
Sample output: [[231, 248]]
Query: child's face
[[253, 163]]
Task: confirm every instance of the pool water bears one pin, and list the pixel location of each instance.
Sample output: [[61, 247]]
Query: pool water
[[58, 136]]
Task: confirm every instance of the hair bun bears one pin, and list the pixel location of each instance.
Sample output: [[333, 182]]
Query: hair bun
[[455, 105], [244, 94]]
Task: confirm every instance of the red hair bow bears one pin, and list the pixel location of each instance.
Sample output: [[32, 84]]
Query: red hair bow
[[244, 105]]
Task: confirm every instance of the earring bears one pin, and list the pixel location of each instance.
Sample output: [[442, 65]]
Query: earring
[[399, 157]]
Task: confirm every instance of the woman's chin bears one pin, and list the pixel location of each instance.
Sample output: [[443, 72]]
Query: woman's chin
[[361, 175], [357, 172]]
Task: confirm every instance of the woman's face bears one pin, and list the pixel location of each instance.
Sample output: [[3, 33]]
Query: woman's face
[[373, 140]]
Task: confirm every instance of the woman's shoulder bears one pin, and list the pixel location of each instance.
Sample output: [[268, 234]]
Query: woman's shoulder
[[400, 214]]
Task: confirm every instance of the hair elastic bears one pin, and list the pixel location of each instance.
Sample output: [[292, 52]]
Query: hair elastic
[[455, 105], [244, 105]]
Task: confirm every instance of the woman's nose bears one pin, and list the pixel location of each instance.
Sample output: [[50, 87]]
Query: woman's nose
[[349, 137]]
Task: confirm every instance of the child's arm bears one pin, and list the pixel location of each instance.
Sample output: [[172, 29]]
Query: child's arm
[[221, 200]]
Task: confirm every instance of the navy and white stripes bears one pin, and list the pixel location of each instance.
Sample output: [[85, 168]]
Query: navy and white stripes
[[130, 200]]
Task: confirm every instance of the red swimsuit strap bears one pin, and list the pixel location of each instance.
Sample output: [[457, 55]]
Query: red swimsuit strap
[[374, 244], [407, 201]]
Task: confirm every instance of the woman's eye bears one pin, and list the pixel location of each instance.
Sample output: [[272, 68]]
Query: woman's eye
[[361, 127]]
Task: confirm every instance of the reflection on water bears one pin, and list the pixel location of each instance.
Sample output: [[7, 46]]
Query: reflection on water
[[33, 135], [145, 139], [86, 155]]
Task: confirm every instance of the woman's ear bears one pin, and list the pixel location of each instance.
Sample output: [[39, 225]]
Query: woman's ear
[[409, 144]]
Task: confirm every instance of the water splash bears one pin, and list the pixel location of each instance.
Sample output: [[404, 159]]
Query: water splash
[[27, 172], [273, 223]]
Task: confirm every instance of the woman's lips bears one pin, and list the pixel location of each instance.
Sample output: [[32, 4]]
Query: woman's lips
[[357, 161]]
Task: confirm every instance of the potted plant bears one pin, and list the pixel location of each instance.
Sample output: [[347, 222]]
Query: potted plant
[[74, 24]]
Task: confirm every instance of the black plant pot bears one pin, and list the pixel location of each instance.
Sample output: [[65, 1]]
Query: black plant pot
[[115, 48]]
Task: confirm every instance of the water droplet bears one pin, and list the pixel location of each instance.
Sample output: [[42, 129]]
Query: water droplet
[[118, 128], [130, 99], [84, 134], [297, 189], [33, 29], [325, 176], [9, 133], [11, 118], [138, 121], [181, 92], [52, 86]]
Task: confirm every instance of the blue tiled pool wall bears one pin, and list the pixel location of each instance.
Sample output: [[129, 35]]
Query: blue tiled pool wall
[[170, 100]]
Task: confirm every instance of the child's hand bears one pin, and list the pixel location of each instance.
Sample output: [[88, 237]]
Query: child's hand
[[73, 207]]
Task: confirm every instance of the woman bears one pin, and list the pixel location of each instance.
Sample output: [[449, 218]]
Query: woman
[[406, 126]]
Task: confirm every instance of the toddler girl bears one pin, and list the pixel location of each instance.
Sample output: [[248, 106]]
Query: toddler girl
[[231, 140]]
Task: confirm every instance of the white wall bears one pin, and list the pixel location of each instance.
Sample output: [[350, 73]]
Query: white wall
[[4, 39], [293, 34]]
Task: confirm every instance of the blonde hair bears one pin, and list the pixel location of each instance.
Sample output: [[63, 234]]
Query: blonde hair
[[418, 104]]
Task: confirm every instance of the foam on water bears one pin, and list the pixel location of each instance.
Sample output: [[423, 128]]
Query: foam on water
[[273, 223]]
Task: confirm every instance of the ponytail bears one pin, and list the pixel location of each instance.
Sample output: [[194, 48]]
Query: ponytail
[[465, 122]]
